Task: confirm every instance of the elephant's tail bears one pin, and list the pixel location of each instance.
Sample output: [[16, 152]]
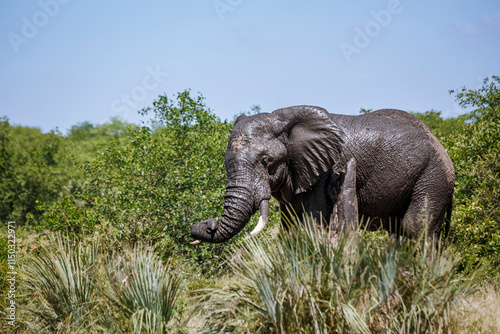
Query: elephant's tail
[[447, 219]]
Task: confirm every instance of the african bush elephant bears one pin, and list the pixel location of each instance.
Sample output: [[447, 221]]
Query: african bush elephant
[[302, 155]]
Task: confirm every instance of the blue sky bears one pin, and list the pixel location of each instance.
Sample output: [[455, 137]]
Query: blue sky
[[67, 61]]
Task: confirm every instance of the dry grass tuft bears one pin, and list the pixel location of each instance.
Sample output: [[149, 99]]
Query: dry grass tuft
[[480, 312]]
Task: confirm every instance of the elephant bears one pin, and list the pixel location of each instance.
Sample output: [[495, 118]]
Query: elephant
[[385, 165]]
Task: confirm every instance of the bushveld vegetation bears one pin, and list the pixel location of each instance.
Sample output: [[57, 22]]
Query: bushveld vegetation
[[104, 214]]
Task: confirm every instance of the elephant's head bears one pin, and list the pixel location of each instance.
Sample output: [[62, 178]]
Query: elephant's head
[[281, 154]]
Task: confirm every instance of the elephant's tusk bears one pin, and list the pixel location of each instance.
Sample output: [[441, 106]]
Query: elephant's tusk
[[264, 216], [196, 242]]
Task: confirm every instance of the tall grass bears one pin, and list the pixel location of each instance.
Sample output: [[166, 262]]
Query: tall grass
[[63, 280], [480, 313], [82, 287], [310, 281], [306, 280], [144, 288]]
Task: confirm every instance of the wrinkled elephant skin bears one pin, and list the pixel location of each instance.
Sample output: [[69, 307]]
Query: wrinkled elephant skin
[[385, 165]]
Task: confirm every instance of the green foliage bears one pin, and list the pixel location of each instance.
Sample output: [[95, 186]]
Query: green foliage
[[302, 282], [3, 263], [155, 183], [365, 111], [88, 139], [38, 167], [29, 164], [475, 152]]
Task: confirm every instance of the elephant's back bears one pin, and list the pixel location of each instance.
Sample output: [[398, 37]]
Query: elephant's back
[[392, 120], [382, 121], [414, 130], [393, 150], [386, 133]]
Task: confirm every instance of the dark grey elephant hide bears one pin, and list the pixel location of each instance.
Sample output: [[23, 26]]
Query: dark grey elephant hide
[[384, 164]]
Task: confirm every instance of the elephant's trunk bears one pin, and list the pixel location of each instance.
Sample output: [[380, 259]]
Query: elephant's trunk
[[238, 208]]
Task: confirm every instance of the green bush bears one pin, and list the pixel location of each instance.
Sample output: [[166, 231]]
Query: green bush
[[38, 167], [154, 183], [475, 152], [30, 170], [3, 263]]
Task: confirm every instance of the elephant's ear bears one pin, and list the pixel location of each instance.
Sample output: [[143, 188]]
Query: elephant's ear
[[314, 142]]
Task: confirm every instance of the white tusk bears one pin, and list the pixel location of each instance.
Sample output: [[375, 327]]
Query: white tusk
[[196, 242], [264, 216], [260, 226]]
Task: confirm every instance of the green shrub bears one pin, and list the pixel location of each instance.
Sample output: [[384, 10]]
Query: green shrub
[[475, 152], [3, 263], [38, 167], [31, 169], [154, 183]]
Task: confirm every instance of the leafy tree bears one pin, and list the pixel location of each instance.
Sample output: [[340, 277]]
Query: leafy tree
[[6, 180], [475, 152], [38, 167], [155, 183], [32, 170], [87, 139]]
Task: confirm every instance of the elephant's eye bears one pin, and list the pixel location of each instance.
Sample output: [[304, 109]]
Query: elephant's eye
[[265, 161]]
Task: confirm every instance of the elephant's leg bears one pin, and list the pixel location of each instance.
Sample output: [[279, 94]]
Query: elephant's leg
[[429, 204], [347, 204]]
